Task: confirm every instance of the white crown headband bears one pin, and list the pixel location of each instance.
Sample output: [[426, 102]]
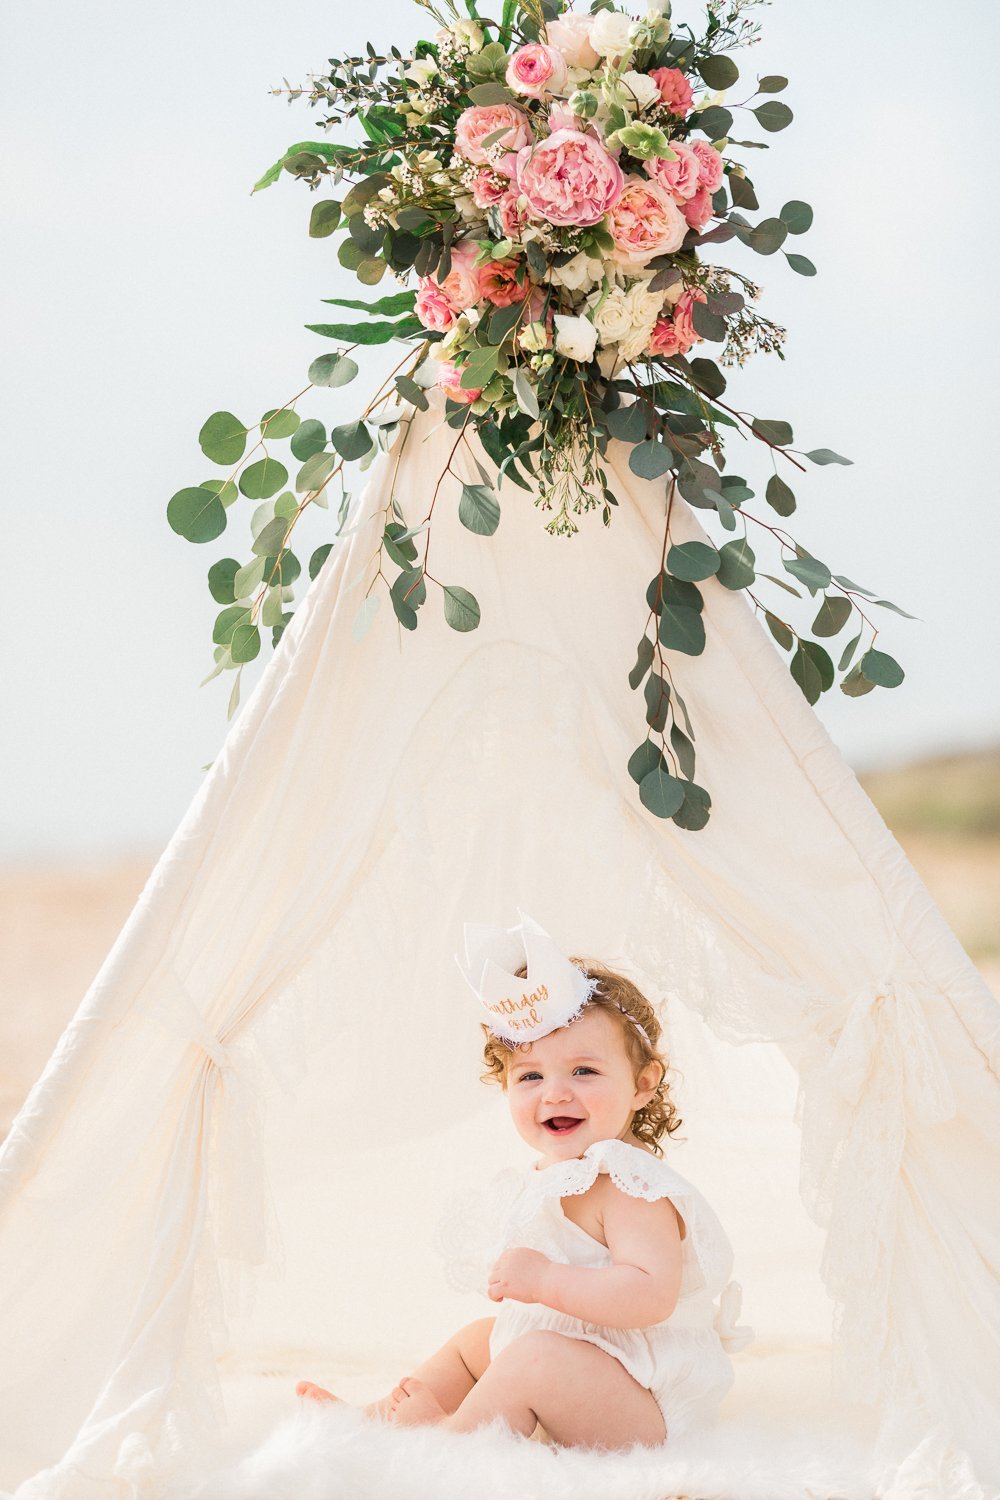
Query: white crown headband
[[552, 993]]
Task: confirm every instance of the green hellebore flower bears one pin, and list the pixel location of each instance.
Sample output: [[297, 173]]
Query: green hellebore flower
[[645, 141], [584, 103]]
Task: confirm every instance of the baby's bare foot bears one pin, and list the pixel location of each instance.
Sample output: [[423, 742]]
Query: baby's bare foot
[[314, 1392], [415, 1405]]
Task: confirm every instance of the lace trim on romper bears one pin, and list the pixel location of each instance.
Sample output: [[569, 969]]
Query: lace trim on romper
[[683, 1360]]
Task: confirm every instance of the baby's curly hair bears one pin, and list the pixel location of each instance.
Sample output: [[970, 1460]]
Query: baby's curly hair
[[619, 998]]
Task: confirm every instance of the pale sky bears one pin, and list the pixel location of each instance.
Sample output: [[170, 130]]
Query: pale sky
[[144, 288]]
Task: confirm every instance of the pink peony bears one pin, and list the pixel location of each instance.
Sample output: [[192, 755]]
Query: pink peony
[[498, 283], [712, 167], [675, 90], [480, 120], [512, 216], [489, 188], [569, 178], [433, 308], [449, 379], [537, 71], [571, 35], [681, 176], [698, 210], [645, 222]]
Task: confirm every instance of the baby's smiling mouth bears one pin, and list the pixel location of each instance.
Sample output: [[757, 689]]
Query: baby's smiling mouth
[[562, 1124]]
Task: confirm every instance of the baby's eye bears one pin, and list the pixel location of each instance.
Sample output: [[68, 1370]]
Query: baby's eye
[[584, 1069], [526, 1076]]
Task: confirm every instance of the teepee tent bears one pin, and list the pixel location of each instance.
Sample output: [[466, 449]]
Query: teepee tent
[[233, 1170]]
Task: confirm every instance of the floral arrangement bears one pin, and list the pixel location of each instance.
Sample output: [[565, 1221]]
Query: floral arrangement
[[544, 186]]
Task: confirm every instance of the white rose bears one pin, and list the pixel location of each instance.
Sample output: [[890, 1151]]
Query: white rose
[[609, 33], [469, 35], [570, 35], [643, 305], [576, 338], [612, 318], [641, 90], [579, 274], [421, 71]]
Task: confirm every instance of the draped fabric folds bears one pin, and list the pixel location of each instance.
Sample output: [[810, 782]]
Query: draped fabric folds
[[210, 1174]]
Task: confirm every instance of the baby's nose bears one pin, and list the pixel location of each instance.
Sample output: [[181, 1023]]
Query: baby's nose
[[558, 1089]]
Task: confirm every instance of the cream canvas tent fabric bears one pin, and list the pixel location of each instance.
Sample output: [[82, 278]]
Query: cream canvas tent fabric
[[231, 1172]]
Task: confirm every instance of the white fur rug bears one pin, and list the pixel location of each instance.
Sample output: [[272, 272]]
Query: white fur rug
[[326, 1452]]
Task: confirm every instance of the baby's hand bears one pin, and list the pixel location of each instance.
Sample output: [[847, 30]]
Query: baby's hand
[[519, 1274]]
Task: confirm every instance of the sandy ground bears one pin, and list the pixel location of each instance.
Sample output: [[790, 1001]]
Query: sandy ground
[[58, 924]]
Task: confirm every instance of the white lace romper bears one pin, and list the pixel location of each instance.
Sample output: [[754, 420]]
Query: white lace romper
[[684, 1360]]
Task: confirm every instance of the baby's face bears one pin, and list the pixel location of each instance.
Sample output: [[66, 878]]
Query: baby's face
[[574, 1087]]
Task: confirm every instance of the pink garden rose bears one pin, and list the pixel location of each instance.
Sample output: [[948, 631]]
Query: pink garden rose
[[569, 178], [512, 216], [684, 317], [433, 307], [461, 285], [675, 90], [698, 210], [537, 71], [680, 177], [498, 283], [712, 167], [570, 34], [489, 188], [645, 222], [449, 379], [480, 120], [676, 335]]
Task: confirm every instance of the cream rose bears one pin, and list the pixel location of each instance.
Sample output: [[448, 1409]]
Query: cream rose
[[611, 317], [640, 89], [609, 33], [571, 35], [576, 338], [579, 274]]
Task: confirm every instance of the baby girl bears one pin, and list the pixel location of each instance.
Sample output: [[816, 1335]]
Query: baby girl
[[608, 1332]]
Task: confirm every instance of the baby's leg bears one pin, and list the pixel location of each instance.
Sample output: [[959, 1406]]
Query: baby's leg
[[581, 1395], [448, 1375]]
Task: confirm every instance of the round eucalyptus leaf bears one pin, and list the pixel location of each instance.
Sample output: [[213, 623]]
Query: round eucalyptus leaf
[[319, 557], [779, 496], [220, 580], [350, 254], [313, 472], [880, 668], [779, 630], [769, 236], [279, 422], [856, 684], [352, 440], [281, 570], [310, 438], [774, 115], [461, 609], [371, 271], [223, 438], [224, 488], [809, 570], [661, 793], [245, 642], [682, 629], [248, 577], [286, 505], [271, 538], [478, 509], [736, 564], [773, 83], [695, 810], [834, 613], [324, 219], [409, 588], [714, 121], [651, 460], [773, 431], [827, 456], [332, 370], [644, 760], [693, 561], [196, 514], [801, 263], [263, 479], [797, 215], [807, 674], [227, 622], [718, 71]]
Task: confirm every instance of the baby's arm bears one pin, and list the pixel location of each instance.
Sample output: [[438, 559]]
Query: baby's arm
[[640, 1288]]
